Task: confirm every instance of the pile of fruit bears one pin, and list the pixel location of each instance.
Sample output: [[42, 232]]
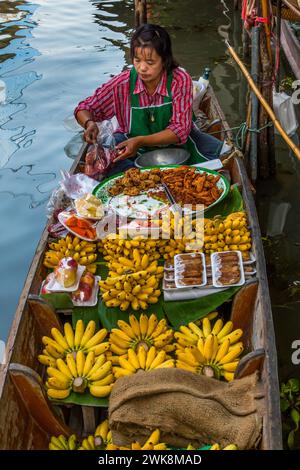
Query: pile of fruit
[[145, 332], [100, 440], [212, 351], [85, 371], [142, 360], [152, 443], [82, 339], [82, 251]]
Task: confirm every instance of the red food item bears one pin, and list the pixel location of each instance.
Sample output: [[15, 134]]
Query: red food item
[[98, 160], [88, 278], [83, 293]]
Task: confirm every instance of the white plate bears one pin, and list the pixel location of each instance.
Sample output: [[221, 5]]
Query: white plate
[[137, 207], [215, 268], [94, 297], [64, 216], [55, 286]]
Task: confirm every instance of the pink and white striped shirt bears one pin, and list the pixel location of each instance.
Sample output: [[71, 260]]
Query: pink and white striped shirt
[[113, 99]]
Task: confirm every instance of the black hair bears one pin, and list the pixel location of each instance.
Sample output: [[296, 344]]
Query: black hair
[[157, 38]]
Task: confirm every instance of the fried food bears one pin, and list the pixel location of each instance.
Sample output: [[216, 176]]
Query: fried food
[[135, 182], [191, 187]]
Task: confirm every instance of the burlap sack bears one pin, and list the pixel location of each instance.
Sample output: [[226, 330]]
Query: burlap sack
[[186, 408]]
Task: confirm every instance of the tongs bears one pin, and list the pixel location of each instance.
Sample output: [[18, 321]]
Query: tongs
[[174, 206]]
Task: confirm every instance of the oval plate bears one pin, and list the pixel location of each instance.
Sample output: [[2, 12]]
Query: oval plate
[[101, 190]]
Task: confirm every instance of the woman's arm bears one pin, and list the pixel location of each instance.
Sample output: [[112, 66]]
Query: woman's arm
[[130, 147], [86, 120]]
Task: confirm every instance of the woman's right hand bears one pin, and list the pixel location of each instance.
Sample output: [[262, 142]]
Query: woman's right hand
[[91, 132]]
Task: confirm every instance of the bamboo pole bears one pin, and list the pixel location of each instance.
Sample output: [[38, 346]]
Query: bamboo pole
[[254, 101], [265, 6], [270, 112], [278, 42]]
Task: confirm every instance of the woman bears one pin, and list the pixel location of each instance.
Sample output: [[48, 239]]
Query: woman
[[152, 103]]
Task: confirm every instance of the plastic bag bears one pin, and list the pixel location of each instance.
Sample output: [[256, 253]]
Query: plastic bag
[[76, 186], [101, 155]]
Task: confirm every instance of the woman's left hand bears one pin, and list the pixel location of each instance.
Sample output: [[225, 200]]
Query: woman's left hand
[[128, 148]]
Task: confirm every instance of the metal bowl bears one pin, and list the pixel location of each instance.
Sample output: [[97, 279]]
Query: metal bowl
[[161, 157]]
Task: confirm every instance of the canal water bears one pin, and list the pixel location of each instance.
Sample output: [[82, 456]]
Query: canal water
[[53, 53]]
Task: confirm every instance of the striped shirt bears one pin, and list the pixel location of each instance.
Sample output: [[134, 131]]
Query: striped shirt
[[113, 99]]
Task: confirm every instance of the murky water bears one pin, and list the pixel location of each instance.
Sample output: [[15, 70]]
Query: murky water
[[54, 53]]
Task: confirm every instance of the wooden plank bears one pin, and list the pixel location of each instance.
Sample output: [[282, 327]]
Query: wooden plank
[[31, 391], [44, 314], [242, 311], [250, 363]]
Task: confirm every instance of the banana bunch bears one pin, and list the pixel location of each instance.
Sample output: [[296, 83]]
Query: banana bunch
[[190, 335], [122, 265], [63, 443], [82, 251], [143, 360], [152, 443], [145, 332], [82, 339], [229, 447], [101, 438], [78, 374], [211, 358], [226, 234], [114, 246], [136, 290]]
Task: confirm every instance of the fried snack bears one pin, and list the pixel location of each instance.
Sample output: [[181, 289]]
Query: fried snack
[[191, 187], [135, 182]]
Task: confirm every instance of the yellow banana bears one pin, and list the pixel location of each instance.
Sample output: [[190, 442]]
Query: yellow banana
[[96, 339], [79, 331], [222, 351], [153, 438], [71, 364], [208, 347], [142, 356], [206, 327], [121, 343], [143, 325], [230, 366], [54, 382], [133, 359], [62, 366], [152, 323], [58, 394], [227, 328], [161, 326], [80, 361], [88, 333], [117, 350], [47, 360], [89, 362], [135, 326], [233, 337], [101, 372], [230, 356], [109, 379], [69, 335], [126, 365], [229, 376], [100, 348], [102, 429], [121, 334], [100, 391], [195, 329], [217, 327], [52, 372]]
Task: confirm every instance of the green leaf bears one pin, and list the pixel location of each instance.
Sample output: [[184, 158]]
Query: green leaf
[[294, 385], [59, 300], [182, 312], [85, 314], [232, 203], [295, 417], [291, 440], [109, 316], [83, 399], [284, 404]]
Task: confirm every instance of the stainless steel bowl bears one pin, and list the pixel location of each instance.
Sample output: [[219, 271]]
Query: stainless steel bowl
[[161, 157]]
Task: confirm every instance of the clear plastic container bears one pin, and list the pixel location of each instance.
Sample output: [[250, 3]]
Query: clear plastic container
[[190, 270], [219, 260]]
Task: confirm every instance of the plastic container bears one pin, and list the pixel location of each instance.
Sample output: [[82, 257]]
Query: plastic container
[[285, 112], [169, 275], [94, 297], [217, 264], [55, 286], [190, 270]]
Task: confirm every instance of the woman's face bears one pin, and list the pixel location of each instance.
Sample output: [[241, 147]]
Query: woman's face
[[148, 64]]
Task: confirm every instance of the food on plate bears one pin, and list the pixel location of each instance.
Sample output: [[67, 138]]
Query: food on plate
[[81, 227], [188, 186], [89, 206], [85, 288], [227, 268], [66, 271], [189, 269], [135, 181]]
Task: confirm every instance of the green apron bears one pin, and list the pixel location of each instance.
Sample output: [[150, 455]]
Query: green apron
[[151, 119]]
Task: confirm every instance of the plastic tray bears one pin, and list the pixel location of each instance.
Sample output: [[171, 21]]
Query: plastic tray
[[55, 286], [214, 257], [94, 297], [178, 260]]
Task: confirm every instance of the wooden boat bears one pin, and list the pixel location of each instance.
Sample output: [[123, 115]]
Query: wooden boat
[[28, 419], [291, 47]]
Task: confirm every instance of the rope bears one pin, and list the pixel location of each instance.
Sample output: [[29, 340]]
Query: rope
[[242, 129]]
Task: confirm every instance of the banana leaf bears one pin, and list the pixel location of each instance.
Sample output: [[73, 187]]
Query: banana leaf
[[82, 399], [232, 203], [85, 314], [185, 311], [109, 316], [59, 300]]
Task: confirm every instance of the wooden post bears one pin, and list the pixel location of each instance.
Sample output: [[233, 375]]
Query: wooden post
[[140, 12], [254, 101], [278, 42]]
